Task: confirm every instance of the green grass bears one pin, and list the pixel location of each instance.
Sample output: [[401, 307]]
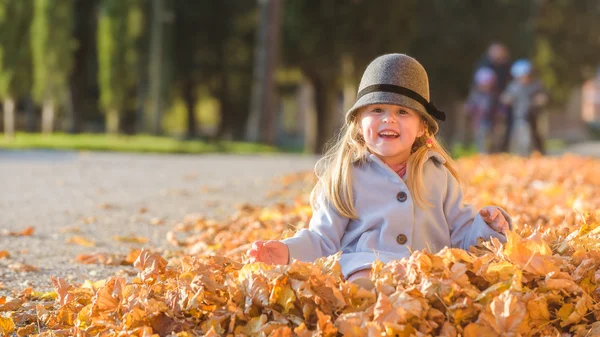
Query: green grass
[[459, 150], [122, 143]]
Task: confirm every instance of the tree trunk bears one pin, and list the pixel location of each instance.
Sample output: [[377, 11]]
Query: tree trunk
[[307, 110], [69, 111], [261, 122], [156, 59], [85, 33], [47, 117], [189, 95], [224, 130], [325, 103], [9, 118], [30, 113], [240, 120], [112, 121]]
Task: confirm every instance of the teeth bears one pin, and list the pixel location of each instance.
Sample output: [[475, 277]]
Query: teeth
[[388, 133]]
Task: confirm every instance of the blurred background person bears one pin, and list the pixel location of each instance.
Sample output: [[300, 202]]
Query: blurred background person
[[497, 58], [481, 108], [527, 97]]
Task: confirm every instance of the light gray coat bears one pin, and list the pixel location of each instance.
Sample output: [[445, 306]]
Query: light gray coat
[[390, 224]]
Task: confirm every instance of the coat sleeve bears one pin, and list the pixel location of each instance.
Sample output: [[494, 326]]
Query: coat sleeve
[[464, 221], [323, 236], [508, 96]]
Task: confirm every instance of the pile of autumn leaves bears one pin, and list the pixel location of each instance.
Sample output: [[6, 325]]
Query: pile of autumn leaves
[[542, 282]]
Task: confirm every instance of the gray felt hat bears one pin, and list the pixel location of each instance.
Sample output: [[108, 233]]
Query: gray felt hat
[[397, 79]]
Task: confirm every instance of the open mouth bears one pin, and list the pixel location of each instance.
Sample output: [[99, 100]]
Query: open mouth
[[387, 134]]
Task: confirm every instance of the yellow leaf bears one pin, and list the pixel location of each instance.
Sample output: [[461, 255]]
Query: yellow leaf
[[253, 327], [565, 311], [400, 330], [500, 271], [532, 255], [538, 311], [83, 317], [7, 326], [283, 295], [48, 295], [324, 325], [509, 312], [577, 312]]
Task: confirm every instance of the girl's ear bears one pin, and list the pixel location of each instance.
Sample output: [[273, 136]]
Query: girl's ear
[[422, 128]]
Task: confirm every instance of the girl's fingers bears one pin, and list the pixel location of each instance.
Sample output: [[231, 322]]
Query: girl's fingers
[[257, 244], [489, 215]]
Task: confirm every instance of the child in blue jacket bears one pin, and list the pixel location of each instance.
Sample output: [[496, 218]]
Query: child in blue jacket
[[386, 187]]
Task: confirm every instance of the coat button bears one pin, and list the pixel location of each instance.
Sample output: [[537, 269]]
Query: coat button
[[401, 196], [401, 239]]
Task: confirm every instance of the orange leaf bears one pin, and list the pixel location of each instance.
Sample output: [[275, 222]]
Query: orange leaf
[[22, 267], [131, 239], [79, 240]]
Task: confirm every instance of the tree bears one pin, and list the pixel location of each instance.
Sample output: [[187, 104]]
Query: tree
[[83, 75], [52, 47], [447, 37], [321, 36], [266, 56], [119, 27], [566, 45], [219, 61], [187, 44], [15, 57]]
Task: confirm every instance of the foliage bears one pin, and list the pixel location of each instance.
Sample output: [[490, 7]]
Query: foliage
[[52, 46], [15, 55], [120, 25], [542, 282]]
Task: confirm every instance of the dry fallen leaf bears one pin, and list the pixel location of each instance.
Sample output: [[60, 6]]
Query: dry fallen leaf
[[7, 326], [80, 240], [26, 232], [542, 282], [131, 239], [23, 267]]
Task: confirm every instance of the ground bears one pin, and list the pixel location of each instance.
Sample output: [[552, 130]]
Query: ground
[[99, 195]]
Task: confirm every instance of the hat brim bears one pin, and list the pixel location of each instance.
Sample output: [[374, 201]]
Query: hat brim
[[381, 97]]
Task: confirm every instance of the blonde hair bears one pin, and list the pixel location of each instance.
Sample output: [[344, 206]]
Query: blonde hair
[[348, 148]]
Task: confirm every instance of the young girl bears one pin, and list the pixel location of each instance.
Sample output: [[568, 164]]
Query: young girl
[[481, 108], [386, 187]]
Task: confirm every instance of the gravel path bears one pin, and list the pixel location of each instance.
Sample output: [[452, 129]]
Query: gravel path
[[101, 195]]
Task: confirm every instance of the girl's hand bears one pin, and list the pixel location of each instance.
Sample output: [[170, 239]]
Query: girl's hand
[[270, 252], [494, 218]]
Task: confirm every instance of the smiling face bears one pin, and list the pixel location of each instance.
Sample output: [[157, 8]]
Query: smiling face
[[390, 131]]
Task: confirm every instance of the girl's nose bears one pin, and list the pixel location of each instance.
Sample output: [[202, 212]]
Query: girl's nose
[[388, 117]]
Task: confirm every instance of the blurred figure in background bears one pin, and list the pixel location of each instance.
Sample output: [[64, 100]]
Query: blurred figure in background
[[527, 97], [497, 59], [481, 108]]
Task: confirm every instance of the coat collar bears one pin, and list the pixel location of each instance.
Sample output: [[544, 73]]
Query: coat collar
[[430, 154]]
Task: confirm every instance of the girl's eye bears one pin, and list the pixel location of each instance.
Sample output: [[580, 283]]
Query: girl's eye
[[402, 112], [378, 110]]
